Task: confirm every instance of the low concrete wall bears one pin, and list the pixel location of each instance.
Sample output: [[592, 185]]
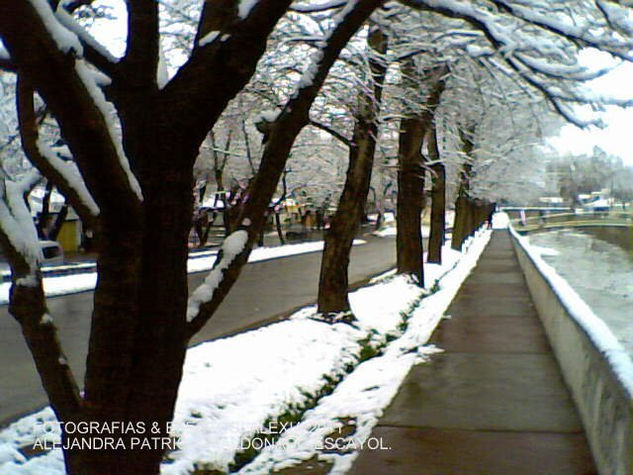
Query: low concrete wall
[[596, 368]]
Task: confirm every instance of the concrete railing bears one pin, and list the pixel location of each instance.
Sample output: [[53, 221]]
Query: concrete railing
[[595, 366]]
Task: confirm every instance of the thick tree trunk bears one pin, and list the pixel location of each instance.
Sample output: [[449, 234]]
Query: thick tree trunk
[[413, 130], [410, 199], [333, 279], [137, 340]]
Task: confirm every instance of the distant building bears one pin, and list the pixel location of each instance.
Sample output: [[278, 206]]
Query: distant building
[[551, 200], [596, 201]]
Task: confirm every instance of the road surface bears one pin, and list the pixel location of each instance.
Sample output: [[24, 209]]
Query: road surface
[[264, 290]]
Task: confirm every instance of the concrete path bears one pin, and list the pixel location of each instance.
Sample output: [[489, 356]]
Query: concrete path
[[494, 401], [264, 291]]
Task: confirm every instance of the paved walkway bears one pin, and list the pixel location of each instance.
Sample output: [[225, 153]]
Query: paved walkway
[[494, 402]]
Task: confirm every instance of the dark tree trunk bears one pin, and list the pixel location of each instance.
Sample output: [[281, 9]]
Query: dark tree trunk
[[280, 232], [132, 337], [333, 279], [411, 171], [438, 199], [45, 214], [139, 329], [60, 219], [410, 251], [438, 214], [462, 205], [459, 223]]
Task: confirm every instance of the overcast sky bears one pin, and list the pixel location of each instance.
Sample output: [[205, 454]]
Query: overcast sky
[[617, 137]]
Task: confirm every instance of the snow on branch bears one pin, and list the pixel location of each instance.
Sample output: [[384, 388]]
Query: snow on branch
[[540, 42], [232, 246], [577, 31], [322, 7], [16, 223], [244, 7], [47, 56], [6, 62], [94, 51], [66, 40], [64, 174], [27, 303], [68, 171], [90, 80]]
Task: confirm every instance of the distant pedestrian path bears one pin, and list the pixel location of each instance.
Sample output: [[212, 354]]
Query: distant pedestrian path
[[494, 401]]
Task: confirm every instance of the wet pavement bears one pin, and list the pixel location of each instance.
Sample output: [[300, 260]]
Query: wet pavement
[[494, 401]]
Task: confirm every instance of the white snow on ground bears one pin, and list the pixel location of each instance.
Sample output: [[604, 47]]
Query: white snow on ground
[[232, 387], [392, 230], [500, 220], [68, 284]]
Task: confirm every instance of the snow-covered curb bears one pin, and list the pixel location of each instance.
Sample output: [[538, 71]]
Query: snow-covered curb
[[236, 389], [201, 262]]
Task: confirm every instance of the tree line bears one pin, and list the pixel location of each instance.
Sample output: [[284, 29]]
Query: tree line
[[469, 79]]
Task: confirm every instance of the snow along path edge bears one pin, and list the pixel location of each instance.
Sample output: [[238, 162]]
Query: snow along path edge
[[360, 399], [233, 387]]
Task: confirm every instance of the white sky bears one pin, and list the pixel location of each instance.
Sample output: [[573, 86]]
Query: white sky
[[616, 137]]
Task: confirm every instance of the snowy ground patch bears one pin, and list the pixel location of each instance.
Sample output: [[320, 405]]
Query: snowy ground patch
[[296, 382]]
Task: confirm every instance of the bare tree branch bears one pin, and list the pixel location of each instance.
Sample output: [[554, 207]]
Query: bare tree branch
[[285, 129], [326, 128]]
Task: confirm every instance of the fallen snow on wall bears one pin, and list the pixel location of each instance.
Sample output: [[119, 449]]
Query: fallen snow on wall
[[597, 330], [234, 387]]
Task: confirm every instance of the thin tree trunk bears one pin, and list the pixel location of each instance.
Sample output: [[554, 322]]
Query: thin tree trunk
[[333, 279], [45, 213], [60, 219], [280, 232], [438, 214], [462, 206], [438, 200]]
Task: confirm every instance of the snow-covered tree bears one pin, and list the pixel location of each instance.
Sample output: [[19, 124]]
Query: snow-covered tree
[[133, 125], [136, 186]]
